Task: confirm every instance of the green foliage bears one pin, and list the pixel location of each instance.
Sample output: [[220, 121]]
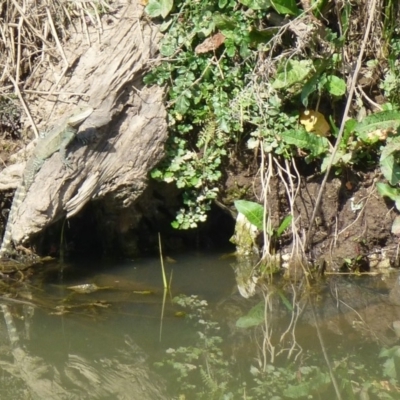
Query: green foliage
[[254, 213], [391, 81], [201, 369], [254, 317], [385, 120], [280, 381], [292, 72], [220, 87], [384, 127], [386, 190], [243, 90], [335, 85], [391, 367], [157, 8], [204, 368], [196, 172]]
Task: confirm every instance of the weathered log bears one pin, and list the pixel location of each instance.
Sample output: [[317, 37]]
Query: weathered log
[[129, 119]]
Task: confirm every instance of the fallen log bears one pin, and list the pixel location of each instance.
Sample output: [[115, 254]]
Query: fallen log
[[129, 124]]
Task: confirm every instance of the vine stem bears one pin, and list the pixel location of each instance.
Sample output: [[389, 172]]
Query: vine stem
[[341, 130]]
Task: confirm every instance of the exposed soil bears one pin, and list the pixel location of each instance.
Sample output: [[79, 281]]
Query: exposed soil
[[352, 228]]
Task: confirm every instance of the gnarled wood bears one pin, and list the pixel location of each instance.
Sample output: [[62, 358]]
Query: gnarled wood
[[129, 119]]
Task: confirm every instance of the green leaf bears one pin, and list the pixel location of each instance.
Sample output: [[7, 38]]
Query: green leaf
[[350, 126], [256, 4], [335, 85], [307, 388], [285, 7], [304, 140], [167, 49], [284, 224], [389, 368], [390, 352], [309, 87], [386, 190], [224, 23], [391, 147], [254, 212], [340, 156], [253, 318], [345, 17], [182, 104], [285, 300], [157, 8], [257, 36], [292, 71], [390, 169], [373, 122], [165, 25]]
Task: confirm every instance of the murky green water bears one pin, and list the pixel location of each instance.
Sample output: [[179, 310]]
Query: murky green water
[[122, 339]]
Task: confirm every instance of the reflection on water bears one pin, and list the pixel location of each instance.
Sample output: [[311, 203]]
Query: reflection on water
[[62, 340], [58, 343]]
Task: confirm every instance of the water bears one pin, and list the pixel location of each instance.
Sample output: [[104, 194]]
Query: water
[[121, 340]]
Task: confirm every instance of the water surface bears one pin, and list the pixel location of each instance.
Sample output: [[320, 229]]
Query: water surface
[[124, 339]]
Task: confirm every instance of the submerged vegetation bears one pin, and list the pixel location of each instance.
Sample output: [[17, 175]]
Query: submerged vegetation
[[207, 369]]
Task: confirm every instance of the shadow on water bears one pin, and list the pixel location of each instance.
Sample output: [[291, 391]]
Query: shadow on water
[[93, 331]]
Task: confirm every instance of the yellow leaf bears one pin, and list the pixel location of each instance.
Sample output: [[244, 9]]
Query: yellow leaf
[[314, 121]]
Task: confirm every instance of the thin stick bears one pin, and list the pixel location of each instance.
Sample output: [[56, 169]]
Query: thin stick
[[60, 49], [324, 352], [341, 130], [162, 312], [18, 63], [162, 263], [26, 109]]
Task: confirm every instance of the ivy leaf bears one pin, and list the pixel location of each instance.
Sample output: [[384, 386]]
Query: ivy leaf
[[157, 8], [335, 86], [254, 212], [285, 7]]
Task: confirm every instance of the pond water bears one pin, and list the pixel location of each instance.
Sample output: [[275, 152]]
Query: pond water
[[120, 337]]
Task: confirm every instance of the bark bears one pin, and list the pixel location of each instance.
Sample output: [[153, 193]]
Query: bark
[[129, 121]]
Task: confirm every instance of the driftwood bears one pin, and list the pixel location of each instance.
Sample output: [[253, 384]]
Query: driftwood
[[129, 121]]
